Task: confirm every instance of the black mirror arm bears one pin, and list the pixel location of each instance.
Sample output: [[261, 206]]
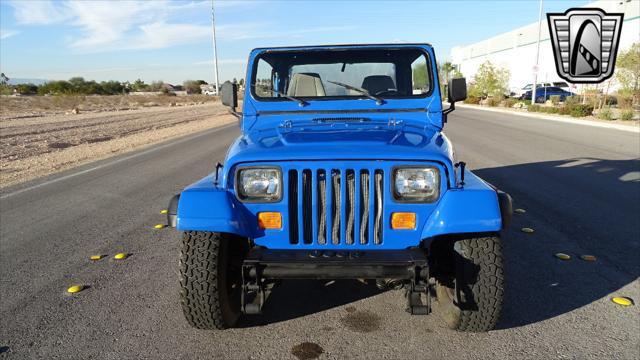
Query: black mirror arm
[[233, 112], [447, 111], [217, 178]]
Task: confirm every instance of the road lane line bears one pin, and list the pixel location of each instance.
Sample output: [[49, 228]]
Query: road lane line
[[129, 157]]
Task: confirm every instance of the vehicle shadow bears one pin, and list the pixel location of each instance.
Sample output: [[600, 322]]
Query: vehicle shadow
[[577, 206], [295, 298]]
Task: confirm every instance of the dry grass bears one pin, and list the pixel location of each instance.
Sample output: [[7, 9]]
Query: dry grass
[[12, 107]]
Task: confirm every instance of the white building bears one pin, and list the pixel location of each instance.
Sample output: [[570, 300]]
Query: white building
[[516, 49]]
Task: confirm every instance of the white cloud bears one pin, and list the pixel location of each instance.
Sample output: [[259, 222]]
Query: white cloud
[[37, 12], [6, 33], [139, 24]]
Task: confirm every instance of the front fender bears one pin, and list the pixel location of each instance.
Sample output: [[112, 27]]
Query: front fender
[[472, 208], [206, 207]]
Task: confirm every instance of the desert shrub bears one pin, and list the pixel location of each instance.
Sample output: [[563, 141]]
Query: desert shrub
[[605, 114], [491, 80], [68, 101], [626, 114], [192, 87], [555, 99], [493, 101], [543, 109], [27, 89], [534, 108], [572, 100], [6, 90], [624, 101], [472, 100], [580, 110], [509, 102]]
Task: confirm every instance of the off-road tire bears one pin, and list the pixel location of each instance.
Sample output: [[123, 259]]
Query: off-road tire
[[209, 279], [472, 300]]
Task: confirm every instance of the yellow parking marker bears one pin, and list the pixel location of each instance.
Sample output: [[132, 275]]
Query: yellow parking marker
[[75, 289], [120, 256], [622, 300], [527, 230], [164, 211], [520, 211], [588, 257], [96, 257], [563, 256], [159, 226]]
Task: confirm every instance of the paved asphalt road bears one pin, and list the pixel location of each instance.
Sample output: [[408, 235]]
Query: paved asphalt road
[[579, 184]]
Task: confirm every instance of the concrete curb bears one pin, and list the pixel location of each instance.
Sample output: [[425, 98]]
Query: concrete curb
[[628, 128]]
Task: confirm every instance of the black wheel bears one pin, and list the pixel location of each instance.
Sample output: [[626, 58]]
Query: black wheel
[[471, 298], [211, 278], [540, 99]]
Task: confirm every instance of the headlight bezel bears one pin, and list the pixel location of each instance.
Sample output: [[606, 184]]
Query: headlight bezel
[[413, 200], [261, 200]]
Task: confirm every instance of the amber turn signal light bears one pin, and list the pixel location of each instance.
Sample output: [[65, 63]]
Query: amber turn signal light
[[403, 221], [270, 220]]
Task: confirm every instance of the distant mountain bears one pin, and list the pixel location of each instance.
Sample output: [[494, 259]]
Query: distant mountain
[[27, 81]]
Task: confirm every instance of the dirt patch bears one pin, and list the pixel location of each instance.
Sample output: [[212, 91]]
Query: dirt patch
[[362, 321], [60, 145], [99, 139], [350, 309], [307, 351], [39, 146]]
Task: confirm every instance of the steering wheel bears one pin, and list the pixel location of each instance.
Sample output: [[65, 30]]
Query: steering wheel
[[386, 91]]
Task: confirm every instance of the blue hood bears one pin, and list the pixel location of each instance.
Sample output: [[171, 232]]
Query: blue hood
[[359, 138]]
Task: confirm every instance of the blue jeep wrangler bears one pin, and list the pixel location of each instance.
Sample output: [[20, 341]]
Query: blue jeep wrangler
[[342, 171]]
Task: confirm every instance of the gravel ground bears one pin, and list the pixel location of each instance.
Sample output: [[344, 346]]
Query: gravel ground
[[37, 146]]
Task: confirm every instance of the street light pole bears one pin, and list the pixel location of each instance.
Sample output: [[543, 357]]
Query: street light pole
[[215, 49], [536, 69]]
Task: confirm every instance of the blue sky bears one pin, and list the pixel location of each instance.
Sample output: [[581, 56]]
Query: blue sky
[[171, 40]]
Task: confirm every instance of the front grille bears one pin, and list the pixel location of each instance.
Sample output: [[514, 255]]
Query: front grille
[[335, 206]]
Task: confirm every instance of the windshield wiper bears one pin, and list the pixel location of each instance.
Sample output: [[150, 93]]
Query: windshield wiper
[[362, 91], [298, 100]]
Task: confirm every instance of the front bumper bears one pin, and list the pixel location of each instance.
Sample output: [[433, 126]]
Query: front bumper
[[330, 264], [262, 266]]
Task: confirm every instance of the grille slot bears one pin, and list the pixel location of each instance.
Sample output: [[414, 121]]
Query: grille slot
[[322, 207], [336, 206], [364, 206], [307, 219], [350, 206], [379, 198], [340, 207], [293, 206]]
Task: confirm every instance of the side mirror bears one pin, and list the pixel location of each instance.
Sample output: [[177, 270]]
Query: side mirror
[[229, 95], [457, 90]]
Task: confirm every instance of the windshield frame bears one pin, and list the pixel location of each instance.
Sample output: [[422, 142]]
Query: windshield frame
[[258, 57]]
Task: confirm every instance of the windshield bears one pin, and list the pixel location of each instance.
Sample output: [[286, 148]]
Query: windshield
[[333, 74]]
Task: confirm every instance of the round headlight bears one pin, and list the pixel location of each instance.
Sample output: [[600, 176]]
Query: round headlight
[[416, 184], [259, 184]]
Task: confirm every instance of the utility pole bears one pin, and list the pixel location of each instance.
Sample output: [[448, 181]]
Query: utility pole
[[536, 69], [215, 49]]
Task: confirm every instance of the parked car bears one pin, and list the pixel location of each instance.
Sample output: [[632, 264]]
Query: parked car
[[543, 94], [342, 171], [517, 93]]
